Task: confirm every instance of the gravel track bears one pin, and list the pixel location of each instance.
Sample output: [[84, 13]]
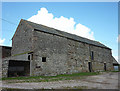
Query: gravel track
[[103, 81]]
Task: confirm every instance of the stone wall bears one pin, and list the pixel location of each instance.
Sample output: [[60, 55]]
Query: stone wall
[[54, 49], [64, 55], [77, 56], [5, 64], [101, 56], [22, 39]]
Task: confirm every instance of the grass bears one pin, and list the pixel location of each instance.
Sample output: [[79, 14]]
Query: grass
[[115, 71], [110, 71], [74, 76]]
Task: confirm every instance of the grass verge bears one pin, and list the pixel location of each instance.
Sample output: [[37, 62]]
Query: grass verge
[[74, 76]]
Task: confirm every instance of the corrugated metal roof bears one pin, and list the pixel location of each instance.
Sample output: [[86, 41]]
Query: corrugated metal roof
[[46, 29]]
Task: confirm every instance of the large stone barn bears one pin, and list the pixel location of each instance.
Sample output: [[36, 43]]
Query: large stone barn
[[41, 50]]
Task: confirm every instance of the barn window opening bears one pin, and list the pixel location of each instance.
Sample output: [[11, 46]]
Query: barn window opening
[[31, 56], [43, 59], [105, 66], [38, 66], [92, 55], [28, 57]]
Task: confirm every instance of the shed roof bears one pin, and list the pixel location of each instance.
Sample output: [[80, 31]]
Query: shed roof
[[8, 47], [114, 60], [42, 28]]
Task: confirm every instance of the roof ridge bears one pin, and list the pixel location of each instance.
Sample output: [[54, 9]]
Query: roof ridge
[[58, 30], [44, 28]]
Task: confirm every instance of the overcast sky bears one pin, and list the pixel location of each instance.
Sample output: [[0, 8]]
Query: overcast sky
[[96, 21]]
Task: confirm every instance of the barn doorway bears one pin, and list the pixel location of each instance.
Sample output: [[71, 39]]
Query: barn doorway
[[105, 66], [90, 66], [18, 68]]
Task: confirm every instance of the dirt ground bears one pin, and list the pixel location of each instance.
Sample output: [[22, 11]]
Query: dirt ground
[[103, 81]]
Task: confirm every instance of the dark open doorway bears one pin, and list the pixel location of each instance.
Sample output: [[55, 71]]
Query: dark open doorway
[[90, 66], [105, 66], [18, 68]]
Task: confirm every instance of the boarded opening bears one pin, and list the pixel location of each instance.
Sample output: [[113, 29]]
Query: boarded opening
[[90, 66], [105, 66], [18, 68]]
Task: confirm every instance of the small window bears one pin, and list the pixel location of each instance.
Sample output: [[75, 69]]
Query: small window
[[38, 66], [31, 56], [105, 66], [92, 55], [43, 59], [28, 57]]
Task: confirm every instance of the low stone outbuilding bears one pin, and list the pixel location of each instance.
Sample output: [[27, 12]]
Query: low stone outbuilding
[[41, 50], [116, 65], [5, 51]]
